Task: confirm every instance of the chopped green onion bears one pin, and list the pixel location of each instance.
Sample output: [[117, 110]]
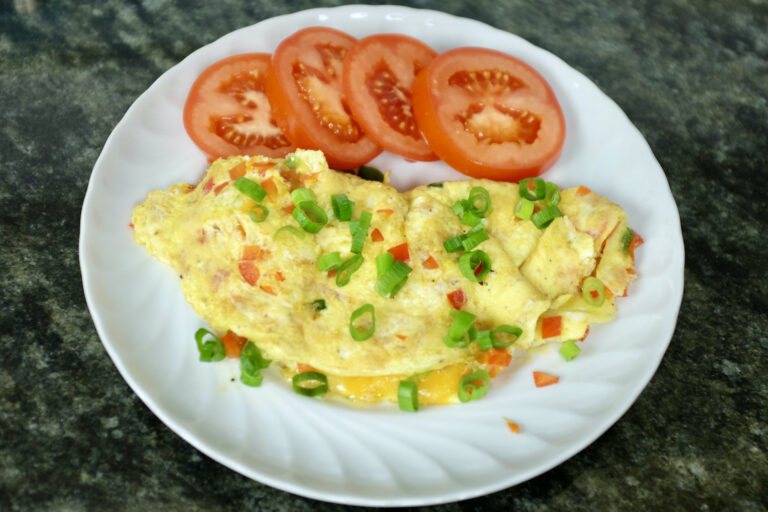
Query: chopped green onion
[[524, 208], [454, 244], [251, 361], [300, 195], [393, 279], [362, 334], [359, 230], [264, 213], [552, 194], [384, 261], [626, 240], [291, 161], [514, 331], [462, 331], [408, 396], [475, 265], [342, 207], [310, 216], [319, 389], [318, 304], [484, 341], [469, 390], [540, 189], [569, 350], [474, 237], [593, 286], [250, 188], [290, 229], [483, 197], [544, 218], [330, 261], [463, 212], [438, 184], [212, 350], [370, 173], [346, 269]]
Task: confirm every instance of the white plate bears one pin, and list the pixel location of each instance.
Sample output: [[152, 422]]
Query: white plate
[[376, 456]]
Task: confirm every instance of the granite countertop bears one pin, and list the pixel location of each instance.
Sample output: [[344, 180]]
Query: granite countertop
[[691, 75]]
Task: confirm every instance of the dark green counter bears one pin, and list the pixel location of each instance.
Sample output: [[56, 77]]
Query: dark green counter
[[692, 76]]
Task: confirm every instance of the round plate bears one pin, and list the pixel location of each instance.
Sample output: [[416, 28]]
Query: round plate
[[376, 456]]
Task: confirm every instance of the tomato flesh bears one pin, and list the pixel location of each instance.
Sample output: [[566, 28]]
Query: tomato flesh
[[227, 112], [378, 74], [488, 115]]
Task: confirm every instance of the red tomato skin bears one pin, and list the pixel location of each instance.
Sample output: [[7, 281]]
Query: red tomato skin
[[425, 111], [358, 63], [295, 118], [196, 120]]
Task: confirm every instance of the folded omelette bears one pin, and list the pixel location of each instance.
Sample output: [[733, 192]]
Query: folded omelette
[[261, 281]]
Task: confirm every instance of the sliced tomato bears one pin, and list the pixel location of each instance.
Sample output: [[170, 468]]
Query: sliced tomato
[[488, 115], [378, 74], [304, 86], [227, 112]]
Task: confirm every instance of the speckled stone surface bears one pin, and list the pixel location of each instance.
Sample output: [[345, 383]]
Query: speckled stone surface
[[691, 75]]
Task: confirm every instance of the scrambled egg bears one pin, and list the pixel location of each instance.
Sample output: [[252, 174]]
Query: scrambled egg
[[240, 276]]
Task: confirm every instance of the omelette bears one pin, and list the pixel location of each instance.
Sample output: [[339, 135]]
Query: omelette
[[294, 282]]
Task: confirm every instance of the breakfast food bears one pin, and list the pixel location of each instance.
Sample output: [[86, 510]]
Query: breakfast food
[[375, 295]]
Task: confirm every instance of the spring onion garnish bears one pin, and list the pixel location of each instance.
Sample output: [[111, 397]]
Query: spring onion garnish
[[626, 240], [251, 362], [212, 350], [310, 216], [505, 341], [290, 229], [438, 184], [465, 214], [360, 332], [359, 230], [392, 279], [318, 304], [370, 173], [469, 389], [342, 207], [479, 201], [539, 192], [474, 237], [454, 244], [408, 396], [384, 261], [551, 194], [250, 188], [291, 161], [320, 388], [347, 268], [264, 213], [524, 208], [475, 265], [593, 291], [330, 261], [462, 331], [544, 218], [300, 195], [484, 341], [569, 350]]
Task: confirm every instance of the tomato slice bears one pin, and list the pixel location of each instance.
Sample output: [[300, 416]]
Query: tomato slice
[[304, 86], [227, 112], [378, 74], [488, 115]]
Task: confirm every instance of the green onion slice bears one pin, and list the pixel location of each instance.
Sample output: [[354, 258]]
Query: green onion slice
[[359, 230], [370, 173], [250, 188], [454, 244], [479, 201], [475, 265], [465, 214], [626, 240], [362, 334], [408, 396], [544, 218], [462, 331], [318, 304], [291, 161], [505, 341], [300, 195], [318, 389], [347, 268], [262, 209], [251, 362], [539, 192], [569, 350], [310, 216], [289, 229], [330, 261], [393, 279], [342, 207], [524, 208], [468, 388], [212, 350], [474, 237], [384, 261], [438, 184], [484, 341], [593, 291], [551, 194]]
